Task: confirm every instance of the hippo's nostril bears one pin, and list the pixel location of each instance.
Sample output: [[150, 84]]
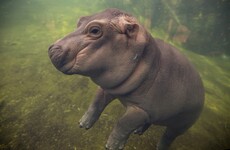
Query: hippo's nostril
[[54, 47], [50, 47]]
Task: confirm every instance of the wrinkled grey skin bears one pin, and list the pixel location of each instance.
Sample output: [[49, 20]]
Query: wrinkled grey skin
[[152, 79]]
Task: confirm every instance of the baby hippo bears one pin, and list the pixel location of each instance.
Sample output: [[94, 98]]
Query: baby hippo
[[151, 78]]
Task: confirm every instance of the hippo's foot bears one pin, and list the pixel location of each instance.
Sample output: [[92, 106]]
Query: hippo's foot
[[142, 129], [88, 119], [115, 144]]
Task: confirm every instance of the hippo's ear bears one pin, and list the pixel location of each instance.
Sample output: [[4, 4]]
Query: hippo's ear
[[131, 30]]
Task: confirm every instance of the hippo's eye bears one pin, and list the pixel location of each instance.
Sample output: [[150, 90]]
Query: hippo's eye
[[95, 31]]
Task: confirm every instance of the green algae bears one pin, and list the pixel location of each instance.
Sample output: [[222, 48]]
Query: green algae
[[40, 107]]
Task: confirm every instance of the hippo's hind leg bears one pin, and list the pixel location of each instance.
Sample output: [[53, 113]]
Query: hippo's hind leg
[[133, 118], [168, 137], [177, 126]]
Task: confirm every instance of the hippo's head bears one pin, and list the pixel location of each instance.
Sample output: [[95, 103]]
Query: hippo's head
[[106, 47]]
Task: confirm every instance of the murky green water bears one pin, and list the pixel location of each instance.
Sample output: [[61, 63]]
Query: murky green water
[[40, 107]]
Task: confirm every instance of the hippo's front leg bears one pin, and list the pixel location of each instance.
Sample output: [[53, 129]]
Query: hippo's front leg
[[133, 118], [94, 111]]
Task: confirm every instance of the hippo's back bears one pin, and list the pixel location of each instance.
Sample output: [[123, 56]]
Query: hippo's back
[[177, 88]]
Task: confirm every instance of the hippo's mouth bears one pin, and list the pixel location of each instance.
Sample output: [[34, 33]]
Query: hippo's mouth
[[62, 59], [68, 67]]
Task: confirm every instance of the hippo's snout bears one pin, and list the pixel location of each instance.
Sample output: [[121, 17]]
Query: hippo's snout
[[58, 56]]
